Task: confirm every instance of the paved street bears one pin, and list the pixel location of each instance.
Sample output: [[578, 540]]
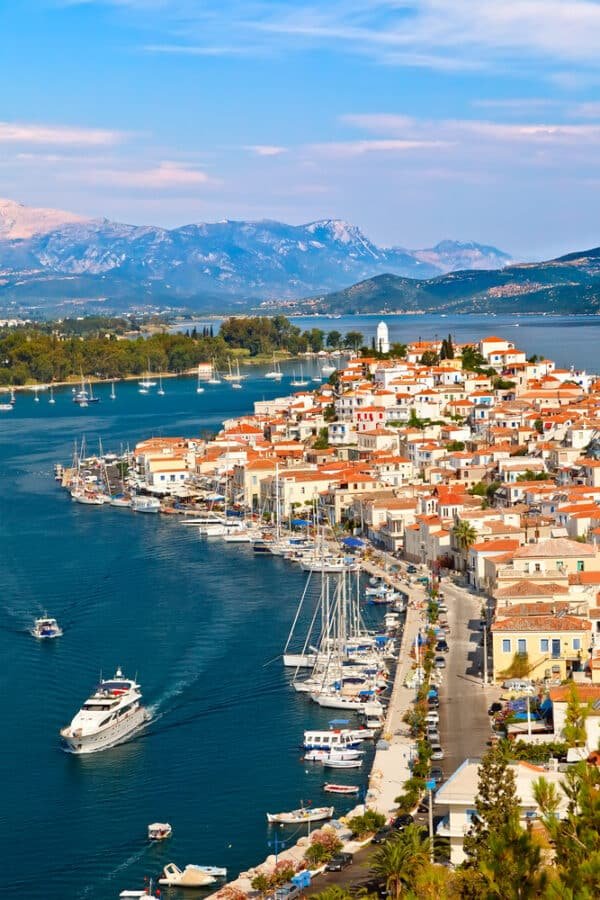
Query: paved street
[[464, 722]]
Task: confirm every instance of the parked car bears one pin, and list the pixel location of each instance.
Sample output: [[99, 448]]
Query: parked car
[[382, 835], [437, 752], [442, 608], [339, 862], [439, 662], [442, 647], [495, 708], [412, 570], [432, 717], [436, 774], [433, 703], [287, 891], [433, 737], [402, 822]]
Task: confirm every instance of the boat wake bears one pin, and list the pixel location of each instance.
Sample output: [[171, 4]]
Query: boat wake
[[90, 890]]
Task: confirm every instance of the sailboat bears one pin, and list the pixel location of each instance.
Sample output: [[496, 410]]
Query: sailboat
[[36, 398], [214, 377], [299, 382], [234, 377], [84, 396], [275, 374], [146, 382], [113, 395], [51, 399], [161, 390], [199, 387], [327, 368], [8, 407]]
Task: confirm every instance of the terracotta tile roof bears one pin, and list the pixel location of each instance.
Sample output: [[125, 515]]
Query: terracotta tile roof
[[526, 588], [555, 547], [542, 623], [587, 693]]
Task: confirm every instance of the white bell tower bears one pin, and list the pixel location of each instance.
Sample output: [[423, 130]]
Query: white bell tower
[[383, 338]]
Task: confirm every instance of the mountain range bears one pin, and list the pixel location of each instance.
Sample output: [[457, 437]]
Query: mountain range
[[49, 257], [568, 285]]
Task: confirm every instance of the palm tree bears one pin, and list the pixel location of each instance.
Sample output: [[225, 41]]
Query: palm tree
[[399, 859], [333, 893], [465, 536]]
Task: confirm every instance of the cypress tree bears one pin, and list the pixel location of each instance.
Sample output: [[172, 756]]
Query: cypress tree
[[496, 803]]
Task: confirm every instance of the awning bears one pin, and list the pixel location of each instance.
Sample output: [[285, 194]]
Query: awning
[[353, 542], [300, 523]]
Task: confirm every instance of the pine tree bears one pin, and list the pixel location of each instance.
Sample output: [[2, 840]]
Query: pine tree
[[496, 803]]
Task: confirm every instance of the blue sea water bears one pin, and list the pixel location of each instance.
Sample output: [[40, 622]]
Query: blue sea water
[[202, 624]]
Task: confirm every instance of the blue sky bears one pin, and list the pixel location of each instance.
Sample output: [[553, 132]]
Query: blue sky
[[415, 119]]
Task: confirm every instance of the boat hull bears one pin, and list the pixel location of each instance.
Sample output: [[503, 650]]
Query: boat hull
[[80, 744]]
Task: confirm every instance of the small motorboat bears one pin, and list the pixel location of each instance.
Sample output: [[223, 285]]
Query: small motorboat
[[322, 755], [191, 877], [159, 831], [334, 763], [341, 788], [299, 816], [46, 628]]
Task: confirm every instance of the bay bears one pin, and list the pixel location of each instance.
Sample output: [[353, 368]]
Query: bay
[[202, 624]]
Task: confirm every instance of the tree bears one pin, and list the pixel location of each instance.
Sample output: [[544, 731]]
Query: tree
[[465, 536], [316, 339], [471, 359], [574, 731], [400, 859], [496, 802], [322, 441], [429, 358], [353, 340], [576, 835], [447, 349], [510, 862], [398, 350], [334, 339], [333, 892]]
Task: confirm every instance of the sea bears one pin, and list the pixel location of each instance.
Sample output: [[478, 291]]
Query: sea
[[200, 623]]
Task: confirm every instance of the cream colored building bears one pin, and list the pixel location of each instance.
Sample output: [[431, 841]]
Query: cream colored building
[[553, 645]]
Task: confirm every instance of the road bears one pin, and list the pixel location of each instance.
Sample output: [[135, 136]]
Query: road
[[464, 723]]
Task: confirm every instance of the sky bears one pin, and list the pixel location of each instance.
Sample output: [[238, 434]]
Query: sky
[[417, 120]]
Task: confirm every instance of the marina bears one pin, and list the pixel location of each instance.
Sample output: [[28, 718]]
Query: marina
[[116, 607]]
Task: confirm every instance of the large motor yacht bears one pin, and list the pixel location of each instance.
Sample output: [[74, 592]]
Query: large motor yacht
[[108, 717]]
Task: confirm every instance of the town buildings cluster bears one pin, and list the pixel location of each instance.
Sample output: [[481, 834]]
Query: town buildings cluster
[[491, 468]]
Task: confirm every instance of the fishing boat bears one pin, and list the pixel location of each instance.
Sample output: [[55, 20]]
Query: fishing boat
[[159, 831], [331, 788], [322, 755], [190, 877], [302, 815], [88, 497], [142, 504], [108, 717], [46, 628], [121, 502], [335, 763]]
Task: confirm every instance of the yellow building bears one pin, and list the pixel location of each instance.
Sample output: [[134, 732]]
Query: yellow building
[[551, 646]]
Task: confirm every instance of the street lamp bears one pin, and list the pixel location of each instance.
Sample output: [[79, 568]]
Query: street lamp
[[485, 651], [277, 845]]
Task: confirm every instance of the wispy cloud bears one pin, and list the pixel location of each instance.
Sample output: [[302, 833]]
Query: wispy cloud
[[192, 50], [439, 34], [347, 149], [266, 149], [164, 176], [28, 133]]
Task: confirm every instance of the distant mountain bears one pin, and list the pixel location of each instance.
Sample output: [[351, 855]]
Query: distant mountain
[[49, 256], [569, 284]]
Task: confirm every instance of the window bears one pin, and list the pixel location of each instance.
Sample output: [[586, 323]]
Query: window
[[538, 567], [521, 645], [544, 645], [580, 565], [576, 643], [506, 645]]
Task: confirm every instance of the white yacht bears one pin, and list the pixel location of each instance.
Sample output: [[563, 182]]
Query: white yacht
[[108, 717]]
